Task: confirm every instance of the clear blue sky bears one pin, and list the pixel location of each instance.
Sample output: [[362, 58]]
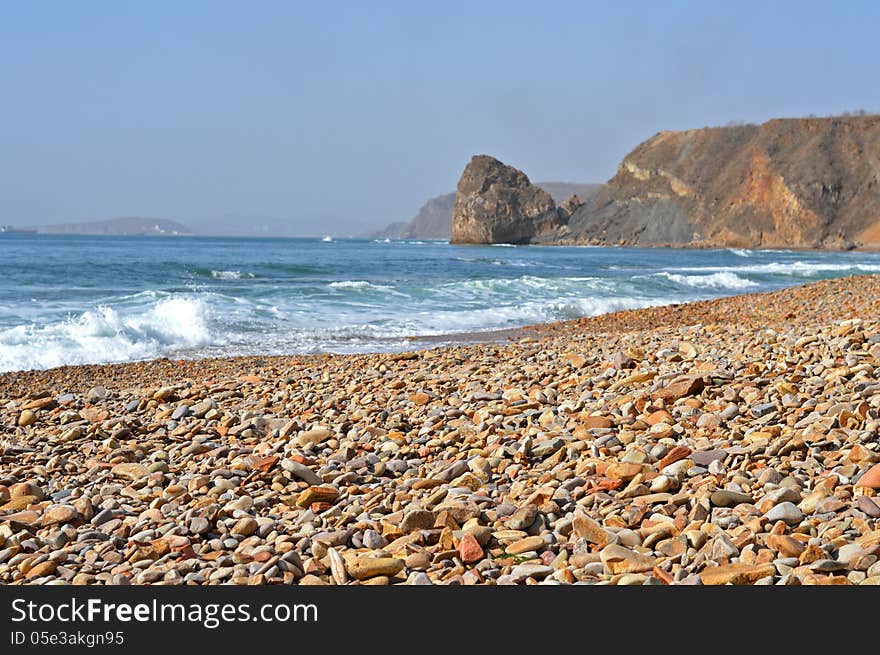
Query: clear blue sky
[[340, 116]]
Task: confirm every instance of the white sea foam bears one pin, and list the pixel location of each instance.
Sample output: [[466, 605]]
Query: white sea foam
[[800, 269], [740, 252], [525, 283], [359, 284], [231, 275], [103, 334], [434, 323], [720, 280]]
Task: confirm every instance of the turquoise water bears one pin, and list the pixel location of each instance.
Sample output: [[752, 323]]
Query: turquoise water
[[75, 300]]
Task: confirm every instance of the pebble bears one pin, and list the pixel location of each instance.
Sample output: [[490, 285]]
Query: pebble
[[129, 471], [739, 573], [618, 559], [521, 518], [870, 479], [362, 568], [523, 571], [59, 514], [245, 527], [762, 410], [744, 458], [469, 549], [787, 512], [317, 494], [868, 506], [727, 498], [525, 545], [27, 418], [418, 519], [301, 472]]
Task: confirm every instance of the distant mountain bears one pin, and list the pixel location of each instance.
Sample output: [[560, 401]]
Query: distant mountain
[[434, 220], [127, 226]]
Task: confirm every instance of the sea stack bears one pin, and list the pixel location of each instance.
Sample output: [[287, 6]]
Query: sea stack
[[496, 203]]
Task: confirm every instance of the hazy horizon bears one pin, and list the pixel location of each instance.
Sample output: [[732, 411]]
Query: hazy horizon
[[314, 120]]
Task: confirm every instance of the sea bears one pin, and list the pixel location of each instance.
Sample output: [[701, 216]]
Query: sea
[[87, 300]]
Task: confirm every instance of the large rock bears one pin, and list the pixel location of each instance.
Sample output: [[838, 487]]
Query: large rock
[[434, 220], [496, 203]]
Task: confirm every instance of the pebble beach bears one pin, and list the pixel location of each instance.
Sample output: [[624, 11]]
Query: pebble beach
[[727, 441]]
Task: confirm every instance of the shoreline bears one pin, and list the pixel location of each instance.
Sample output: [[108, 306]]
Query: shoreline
[[627, 319], [732, 440]]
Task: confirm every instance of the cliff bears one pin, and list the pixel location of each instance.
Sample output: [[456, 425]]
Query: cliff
[[434, 220], [806, 183]]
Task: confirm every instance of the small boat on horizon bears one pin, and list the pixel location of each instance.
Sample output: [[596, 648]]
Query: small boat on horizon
[[327, 239], [11, 229]]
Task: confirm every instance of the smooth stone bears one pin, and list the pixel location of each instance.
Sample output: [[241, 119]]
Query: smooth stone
[[27, 418], [787, 512], [526, 545], [870, 479], [301, 472], [362, 568], [245, 527], [180, 413], [523, 571], [521, 518], [868, 506], [373, 540], [827, 566], [317, 494], [706, 457], [419, 578], [129, 471], [728, 498], [59, 514], [738, 573], [763, 409], [849, 553], [418, 519], [618, 559], [314, 437], [587, 528], [96, 395]]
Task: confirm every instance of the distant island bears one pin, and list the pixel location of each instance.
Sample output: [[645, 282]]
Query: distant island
[[126, 226], [811, 183]]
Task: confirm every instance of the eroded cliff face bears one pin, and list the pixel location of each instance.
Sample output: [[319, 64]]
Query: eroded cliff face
[[496, 203], [811, 183]]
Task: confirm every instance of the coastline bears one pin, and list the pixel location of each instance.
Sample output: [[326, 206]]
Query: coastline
[[714, 310], [717, 441]]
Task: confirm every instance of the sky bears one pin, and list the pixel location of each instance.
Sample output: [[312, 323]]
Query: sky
[[338, 117]]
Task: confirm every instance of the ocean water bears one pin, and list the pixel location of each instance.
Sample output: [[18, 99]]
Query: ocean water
[[78, 300]]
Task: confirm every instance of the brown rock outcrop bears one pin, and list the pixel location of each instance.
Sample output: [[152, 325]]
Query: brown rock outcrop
[[496, 203], [810, 183]]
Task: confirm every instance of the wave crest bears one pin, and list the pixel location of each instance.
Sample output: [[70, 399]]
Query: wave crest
[[720, 280], [103, 334], [232, 275]]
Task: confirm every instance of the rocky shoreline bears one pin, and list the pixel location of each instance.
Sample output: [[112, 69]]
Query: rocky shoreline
[[724, 441]]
